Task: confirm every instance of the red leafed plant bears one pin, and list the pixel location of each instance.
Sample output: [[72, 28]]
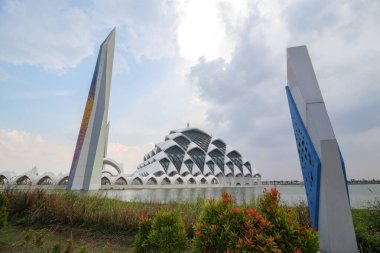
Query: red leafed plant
[[224, 227]]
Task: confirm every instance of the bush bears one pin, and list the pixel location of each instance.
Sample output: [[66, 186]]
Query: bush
[[289, 235], [166, 233], [367, 227], [140, 242], [224, 227], [3, 210], [303, 215], [3, 200]]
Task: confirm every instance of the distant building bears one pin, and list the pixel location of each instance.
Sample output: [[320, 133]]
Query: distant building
[[191, 156]]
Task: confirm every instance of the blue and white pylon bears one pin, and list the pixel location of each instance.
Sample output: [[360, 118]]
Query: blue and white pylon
[[321, 162]]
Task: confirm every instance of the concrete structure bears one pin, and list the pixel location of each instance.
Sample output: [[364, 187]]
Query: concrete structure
[[322, 165], [91, 147], [32, 177], [191, 156]]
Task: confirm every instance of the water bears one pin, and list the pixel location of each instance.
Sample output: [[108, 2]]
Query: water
[[360, 195]]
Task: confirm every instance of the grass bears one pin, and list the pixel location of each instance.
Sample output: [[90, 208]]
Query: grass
[[95, 212], [367, 227], [96, 217], [14, 239]]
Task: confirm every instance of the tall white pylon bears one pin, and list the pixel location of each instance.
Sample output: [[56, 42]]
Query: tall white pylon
[[87, 164], [322, 164]]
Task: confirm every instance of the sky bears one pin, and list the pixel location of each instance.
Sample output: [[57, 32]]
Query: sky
[[219, 65]]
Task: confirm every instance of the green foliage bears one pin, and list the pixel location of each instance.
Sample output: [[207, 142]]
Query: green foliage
[[139, 244], [3, 210], [168, 233], [57, 248], [37, 241], [224, 227], [288, 235], [302, 212], [3, 216], [83, 249], [95, 212], [165, 233], [367, 227], [3, 200], [70, 245]]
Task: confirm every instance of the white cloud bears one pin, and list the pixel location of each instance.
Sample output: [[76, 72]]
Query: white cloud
[[20, 151], [129, 156], [58, 35], [203, 32], [53, 35], [247, 91]]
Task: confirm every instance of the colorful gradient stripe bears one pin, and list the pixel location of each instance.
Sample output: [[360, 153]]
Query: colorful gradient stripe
[[85, 119]]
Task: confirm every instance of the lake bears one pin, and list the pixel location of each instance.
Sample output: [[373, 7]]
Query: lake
[[360, 195]]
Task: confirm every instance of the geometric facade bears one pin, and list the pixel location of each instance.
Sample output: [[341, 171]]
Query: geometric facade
[[319, 155], [91, 147], [192, 155]]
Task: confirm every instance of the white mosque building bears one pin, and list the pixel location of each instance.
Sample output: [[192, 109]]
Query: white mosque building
[[190, 156], [187, 156]]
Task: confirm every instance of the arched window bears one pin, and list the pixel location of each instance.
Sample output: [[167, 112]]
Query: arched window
[[24, 180], [45, 181], [165, 181], [211, 165], [179, 181], [189, 165], [218, 158], [3, 180], [63, 181], [137, 181], [176, 155], [235, 157], [105, 181], [220, 145], [199, 138], [182, 141], [198, 157], [165, 164], [248, 165], [151, 181], [121, 181]]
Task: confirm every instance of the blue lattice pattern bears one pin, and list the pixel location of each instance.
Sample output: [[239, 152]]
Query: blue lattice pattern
[[310, 162]]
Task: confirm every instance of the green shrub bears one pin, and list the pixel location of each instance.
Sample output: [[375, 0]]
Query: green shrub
[[3, 216], [57, 248], [303, 215], [224, 227], [166, 234], [3, 200], [3, 210], [140, 242], [289, 235], [367, 227]]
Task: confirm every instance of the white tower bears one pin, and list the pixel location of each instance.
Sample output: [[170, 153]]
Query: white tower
[[86, 167], [321, 162]]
